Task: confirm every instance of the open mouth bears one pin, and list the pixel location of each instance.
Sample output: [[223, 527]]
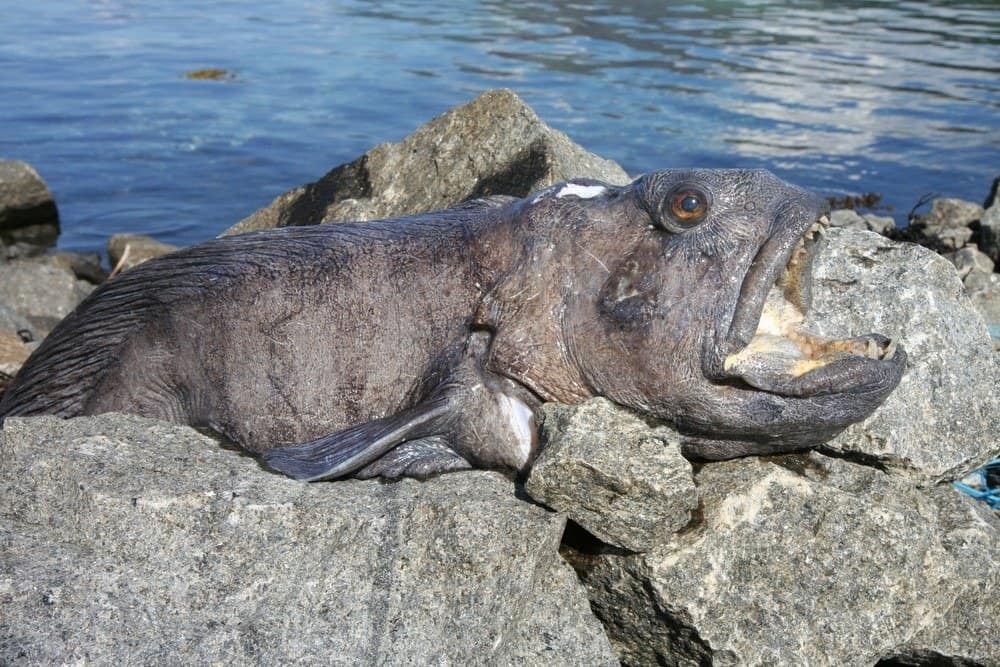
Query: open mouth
[[768, 346]]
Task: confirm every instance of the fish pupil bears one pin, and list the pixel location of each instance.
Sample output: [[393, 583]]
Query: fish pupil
[[690, 204]]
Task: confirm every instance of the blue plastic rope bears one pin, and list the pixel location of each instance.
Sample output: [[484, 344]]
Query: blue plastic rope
[[989, 494]]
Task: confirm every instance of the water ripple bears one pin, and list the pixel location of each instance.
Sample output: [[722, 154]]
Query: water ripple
[[899, 98]]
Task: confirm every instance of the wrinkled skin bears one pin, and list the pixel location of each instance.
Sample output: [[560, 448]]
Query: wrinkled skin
[[425, 344]]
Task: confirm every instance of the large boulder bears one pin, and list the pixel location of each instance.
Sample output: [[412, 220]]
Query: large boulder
[[494, 144], [28, 214], [40, 292], [605, 469], [807, 560], [944, 417], [126, 540]]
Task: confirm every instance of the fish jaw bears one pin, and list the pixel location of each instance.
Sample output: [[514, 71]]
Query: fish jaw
[[767, 346], [776, 387]]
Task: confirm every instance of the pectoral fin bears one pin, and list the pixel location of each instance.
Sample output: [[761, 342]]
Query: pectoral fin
[[419, 459], [343, 452]]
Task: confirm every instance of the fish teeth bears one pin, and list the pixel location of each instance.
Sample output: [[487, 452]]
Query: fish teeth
[[890, 350]]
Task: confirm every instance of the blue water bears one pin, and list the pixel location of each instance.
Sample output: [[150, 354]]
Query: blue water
[[842, 97]]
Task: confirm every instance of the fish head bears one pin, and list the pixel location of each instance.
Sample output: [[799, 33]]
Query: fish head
[[694, 314]]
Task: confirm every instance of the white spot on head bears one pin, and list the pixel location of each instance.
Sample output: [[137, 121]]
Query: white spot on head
[[581, 191]]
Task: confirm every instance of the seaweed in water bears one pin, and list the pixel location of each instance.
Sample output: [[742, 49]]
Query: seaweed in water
[[210, 74], [867, 200]]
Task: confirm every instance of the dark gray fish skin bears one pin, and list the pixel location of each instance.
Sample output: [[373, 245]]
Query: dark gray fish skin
[[425, 344]]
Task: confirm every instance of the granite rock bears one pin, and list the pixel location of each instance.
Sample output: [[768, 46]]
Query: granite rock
[[989, 233], [84, 265], [965, 635], [974, 267], [850, 219], [605, 469], [125, 540], [41, 293], [880, 224], [12, 320], [28, 213], [845, 217], [806, 560], [493, 145], [986, 299], [947, 226], [944, 417]]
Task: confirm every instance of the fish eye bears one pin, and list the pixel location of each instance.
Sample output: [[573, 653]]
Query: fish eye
[[687, 206]]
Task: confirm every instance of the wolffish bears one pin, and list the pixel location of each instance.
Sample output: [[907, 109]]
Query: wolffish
[[425, 344]]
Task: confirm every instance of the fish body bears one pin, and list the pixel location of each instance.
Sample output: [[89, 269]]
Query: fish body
[[424, 344]]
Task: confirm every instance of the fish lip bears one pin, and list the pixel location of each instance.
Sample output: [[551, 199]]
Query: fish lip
[[852, 373]]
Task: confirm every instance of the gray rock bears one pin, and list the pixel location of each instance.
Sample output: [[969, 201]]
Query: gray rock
[[494, 144], [981, 284], [28, 213], [133, 541], [12, 320], [41, 293], [805, 560], [603, 467], [845, 217], [560, 628], [880, 224], [973, 266], [84, 265], [947, 212], [136, 249], [966, 633], [989, 233], [944, 418], [986, 299], [19, 250], [946, 227], [849, 219], [955, 237]]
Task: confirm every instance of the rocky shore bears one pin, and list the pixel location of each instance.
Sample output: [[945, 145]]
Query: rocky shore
[[125, 539]]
